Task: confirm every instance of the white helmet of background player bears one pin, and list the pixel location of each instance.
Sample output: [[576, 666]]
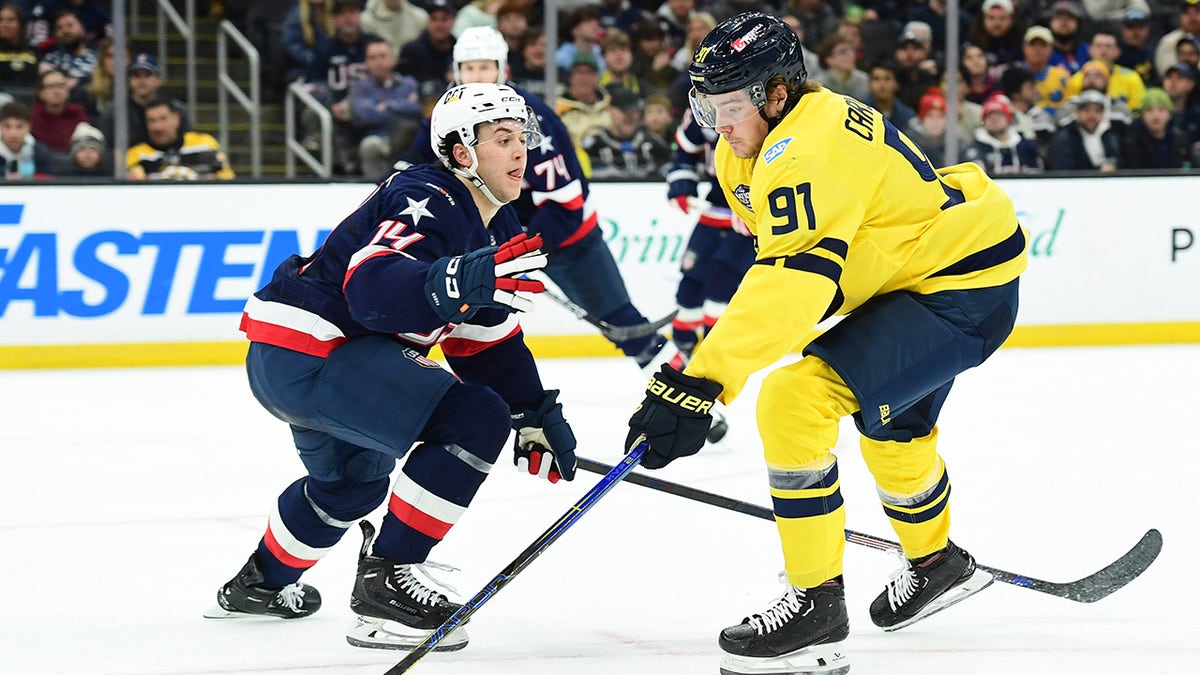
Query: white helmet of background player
[[462, 108], [481, 43]]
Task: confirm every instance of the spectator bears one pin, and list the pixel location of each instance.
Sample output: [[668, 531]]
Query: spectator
[[658, 116], [818, 18], [970, 114], [928, 128], [1032, 120], [618, 63], [841, 75], [1134, 46], [398, 22], [18, 62], [998, 32], [673, 17], [97, 96], [529, 72], [338, 62], [651, 58], [53, 118], [584, 104], [976, 74], [476, 13], [1180, 84], [884, 84], [385, 109], [1066, 23], [698, 25], [1108, 12], [429, 57], [1189, 24], [71, 55], [1051, 78], [933, 13], [998, 147], [145, 85], [512, 20], [1088, 143], [621, 15], [918, 72], [89, 155], [1152, 142], [24, 157], [93, 15], [1095, 76], [174, 154], [583, 27], [306, 25], [1187, 50], [1123, 84], [625, 149]]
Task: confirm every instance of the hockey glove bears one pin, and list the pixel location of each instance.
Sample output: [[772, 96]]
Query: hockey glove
[[674, 416], [682, 202], [458, 287], [545, 445]]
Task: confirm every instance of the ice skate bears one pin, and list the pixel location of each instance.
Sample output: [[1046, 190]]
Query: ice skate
[[395, 609], [928, 585], [801, 633], [245, 598]]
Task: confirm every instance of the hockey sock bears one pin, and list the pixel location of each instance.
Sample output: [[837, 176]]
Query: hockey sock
[[439, 479], [311, 516]]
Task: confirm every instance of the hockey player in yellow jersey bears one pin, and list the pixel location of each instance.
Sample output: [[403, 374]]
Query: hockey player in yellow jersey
[[850, 219]]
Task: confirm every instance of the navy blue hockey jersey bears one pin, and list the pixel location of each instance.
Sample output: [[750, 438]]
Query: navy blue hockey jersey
[[694, 146], [554, 197], [369, 278]]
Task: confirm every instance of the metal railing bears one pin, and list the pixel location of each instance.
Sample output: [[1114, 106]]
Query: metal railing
[[324, 167], [184, 25], [226, 87]]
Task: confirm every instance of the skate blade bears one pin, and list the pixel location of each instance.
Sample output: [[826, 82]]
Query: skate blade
[[978, 581], [373, 633], [823, 659], [219, 612]]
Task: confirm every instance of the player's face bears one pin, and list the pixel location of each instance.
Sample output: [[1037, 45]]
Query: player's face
[[502, 155], [471, 72]]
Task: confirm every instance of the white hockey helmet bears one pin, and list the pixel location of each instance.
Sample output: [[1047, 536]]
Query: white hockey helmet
[[481, 43], [463, 108]]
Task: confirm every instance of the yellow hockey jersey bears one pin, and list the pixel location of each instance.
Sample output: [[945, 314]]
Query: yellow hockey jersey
[[845, 208]]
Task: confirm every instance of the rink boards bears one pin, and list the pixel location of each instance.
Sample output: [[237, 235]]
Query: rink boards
[[158, 274]]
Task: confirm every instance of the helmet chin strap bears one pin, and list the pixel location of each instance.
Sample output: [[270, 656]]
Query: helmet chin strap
[[472, 175]]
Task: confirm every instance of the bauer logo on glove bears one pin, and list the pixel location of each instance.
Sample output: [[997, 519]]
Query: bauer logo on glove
[[682, 399]]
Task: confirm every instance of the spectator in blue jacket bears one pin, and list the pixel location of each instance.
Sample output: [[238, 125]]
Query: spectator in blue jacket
[[385, 108], [1089, 143], [309, 22]]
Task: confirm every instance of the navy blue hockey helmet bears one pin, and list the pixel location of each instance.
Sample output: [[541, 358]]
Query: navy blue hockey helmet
[[743, 53]]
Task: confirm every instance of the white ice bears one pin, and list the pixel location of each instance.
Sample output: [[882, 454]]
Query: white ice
[[129, 496]]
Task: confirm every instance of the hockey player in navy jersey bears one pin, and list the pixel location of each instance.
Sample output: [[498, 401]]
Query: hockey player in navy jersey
[[338, 351], [717, 254], [554, 204]]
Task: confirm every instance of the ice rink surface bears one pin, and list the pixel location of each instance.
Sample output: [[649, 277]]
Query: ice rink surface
[[130, 496]]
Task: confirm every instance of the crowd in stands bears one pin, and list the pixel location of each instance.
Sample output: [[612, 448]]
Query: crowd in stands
[[1043, 85]]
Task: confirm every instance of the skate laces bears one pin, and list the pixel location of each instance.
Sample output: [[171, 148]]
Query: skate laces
[[291, 597], [418, 589], [784, 608], [902, 586]]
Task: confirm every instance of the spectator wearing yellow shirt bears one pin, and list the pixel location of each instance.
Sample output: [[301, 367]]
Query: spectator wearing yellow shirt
[[1124, 84], [173, 154], [1051, 79]]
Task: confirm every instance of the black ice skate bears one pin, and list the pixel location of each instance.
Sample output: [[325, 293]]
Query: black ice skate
[[926, 586], [802, 633], [395, 609], [244, 597]]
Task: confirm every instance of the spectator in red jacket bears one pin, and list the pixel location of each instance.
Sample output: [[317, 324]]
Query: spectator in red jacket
[[53, 117]]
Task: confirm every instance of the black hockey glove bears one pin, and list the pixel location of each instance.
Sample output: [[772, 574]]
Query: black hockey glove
[[674, 416], [457, 287], [545, 445]]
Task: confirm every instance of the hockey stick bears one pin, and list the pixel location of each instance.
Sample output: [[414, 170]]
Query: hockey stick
[[614, 333], [539, 546], [1088, 589]]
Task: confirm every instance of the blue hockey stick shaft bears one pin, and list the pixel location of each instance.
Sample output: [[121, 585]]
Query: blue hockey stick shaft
[[614, 476]]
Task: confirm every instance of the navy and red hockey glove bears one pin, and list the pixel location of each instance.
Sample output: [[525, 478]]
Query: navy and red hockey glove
[[674, 416], [545, 445], [459, 286]]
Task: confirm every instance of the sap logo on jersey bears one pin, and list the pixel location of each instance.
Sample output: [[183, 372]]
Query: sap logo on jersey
[[143, 273], [776, 150]]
